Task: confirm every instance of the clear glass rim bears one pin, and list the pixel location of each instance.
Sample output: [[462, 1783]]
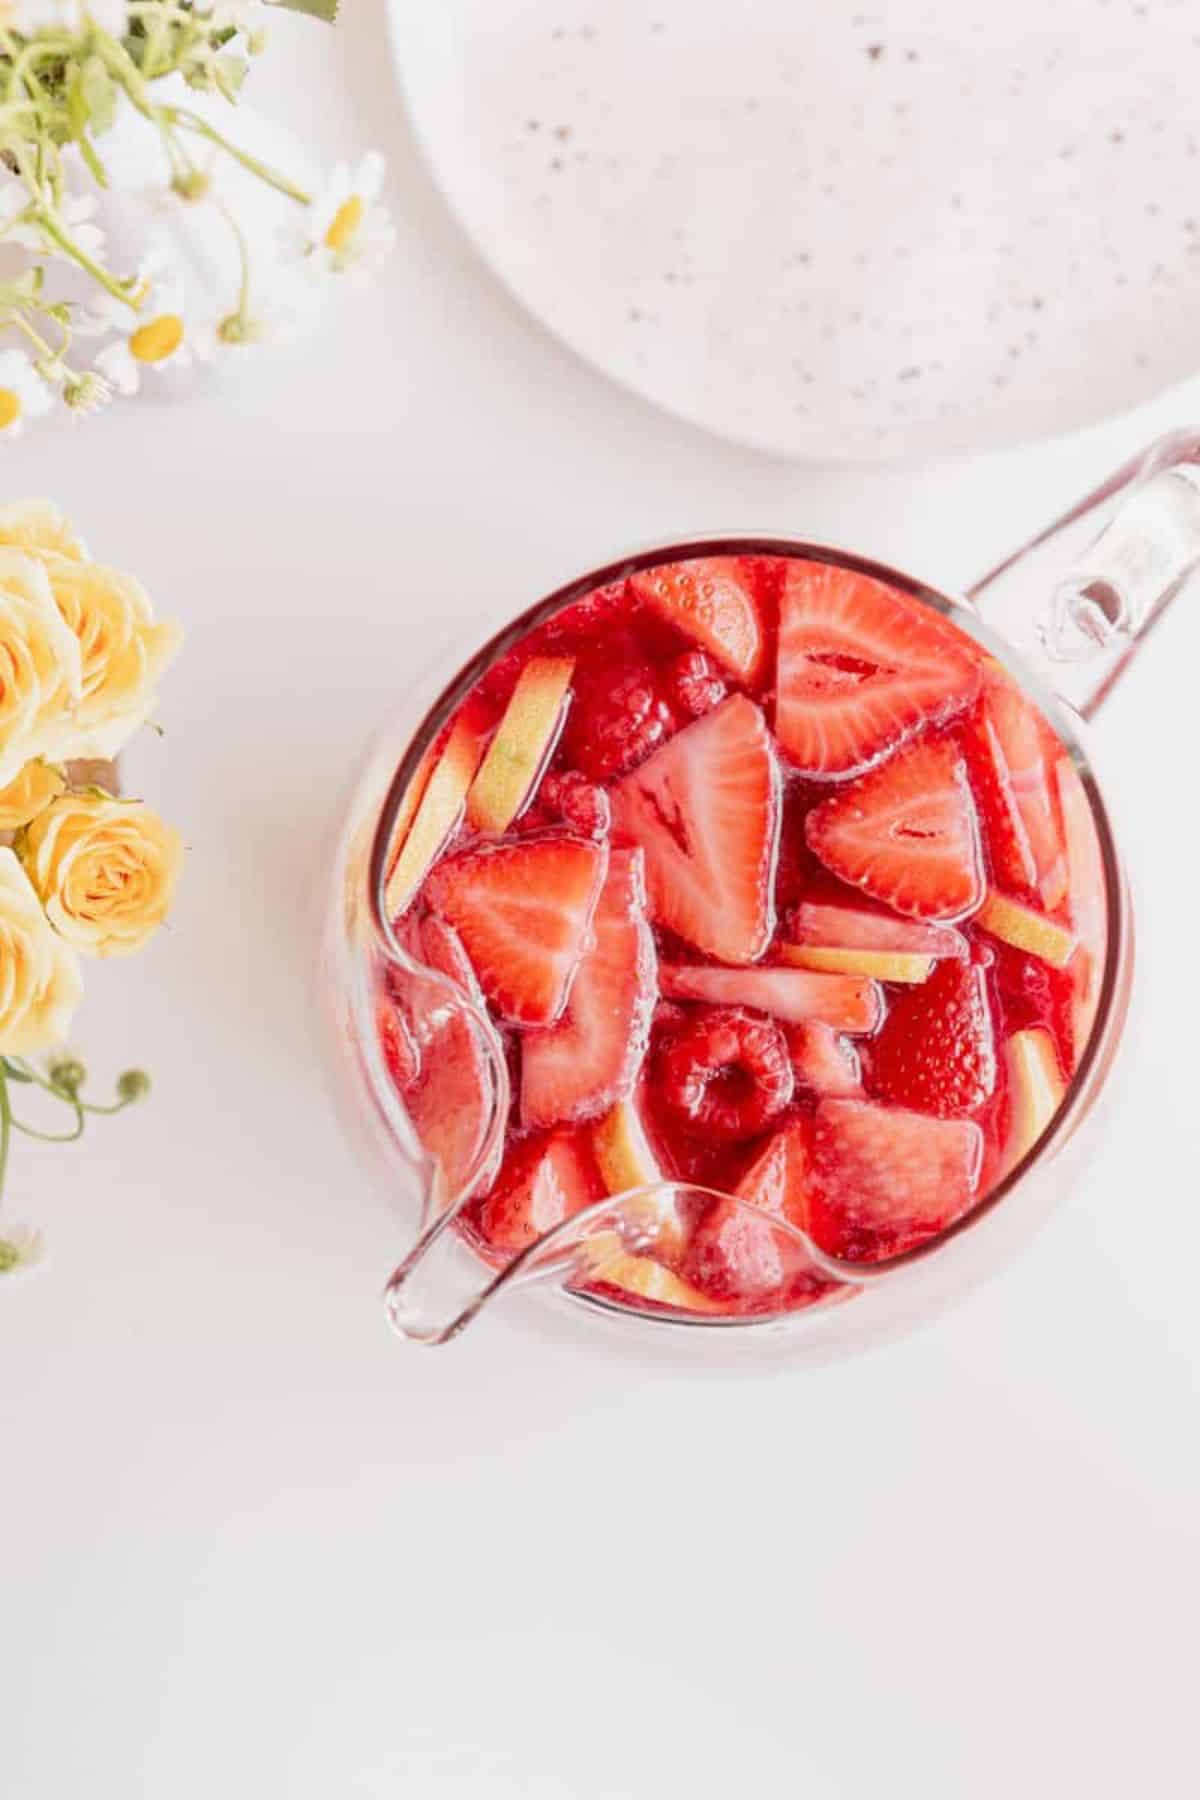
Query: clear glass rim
[[1066, 724]]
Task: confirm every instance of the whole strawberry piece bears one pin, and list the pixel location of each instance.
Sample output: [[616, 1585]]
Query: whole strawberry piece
[[936, 1052]]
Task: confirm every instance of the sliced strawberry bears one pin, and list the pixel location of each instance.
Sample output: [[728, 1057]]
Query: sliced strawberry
[[396, 1042], [705, 809], [1012, 753], [835, 927], [545, 1180], [737, 1254], [741, 1254], [450, 1101], [777, 1179], [582, 1066], [523, 911], [847, 1002], [710, 599], [882, 1180], [823, 1061], [440, 948], [906, 833], [1087, 904], [861, 668], [450, 1095], [937, 1051]]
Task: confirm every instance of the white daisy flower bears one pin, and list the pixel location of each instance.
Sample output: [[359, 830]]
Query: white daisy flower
[[345, 229], [163, 333], [22, 1251], [23, 393]]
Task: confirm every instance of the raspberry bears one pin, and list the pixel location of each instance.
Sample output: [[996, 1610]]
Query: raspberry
[[578, 802], [695, 684], [727, 1073], [619, 715]]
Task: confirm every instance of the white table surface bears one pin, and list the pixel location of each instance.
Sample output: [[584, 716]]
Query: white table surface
[[251, 1544]]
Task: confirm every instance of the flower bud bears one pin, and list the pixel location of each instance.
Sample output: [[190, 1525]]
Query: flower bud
[[133, 1085], [67, 1074]]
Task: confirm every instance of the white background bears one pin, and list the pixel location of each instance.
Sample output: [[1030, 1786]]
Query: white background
[[252, 1545]]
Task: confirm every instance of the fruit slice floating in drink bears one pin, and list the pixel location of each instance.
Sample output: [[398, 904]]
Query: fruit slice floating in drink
[[783, 906]]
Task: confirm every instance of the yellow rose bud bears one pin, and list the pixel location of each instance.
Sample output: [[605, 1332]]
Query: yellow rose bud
[[40, 985], [105, 871], [31, 793], [40, 680], [123, 651], [39, 525]]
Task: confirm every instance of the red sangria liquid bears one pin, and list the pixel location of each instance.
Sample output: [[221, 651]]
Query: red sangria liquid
[[769, 881]]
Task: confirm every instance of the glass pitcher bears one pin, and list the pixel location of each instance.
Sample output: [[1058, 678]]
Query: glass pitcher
[[1064, 615]]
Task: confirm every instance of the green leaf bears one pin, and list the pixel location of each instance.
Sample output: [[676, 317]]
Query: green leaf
[[315, 9], [91, 98], [14, 1071]]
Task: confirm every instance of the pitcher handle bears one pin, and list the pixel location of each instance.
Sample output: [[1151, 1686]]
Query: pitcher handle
[[1079, 599]]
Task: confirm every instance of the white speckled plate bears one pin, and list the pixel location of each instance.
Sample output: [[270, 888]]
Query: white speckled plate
[[831, 228]]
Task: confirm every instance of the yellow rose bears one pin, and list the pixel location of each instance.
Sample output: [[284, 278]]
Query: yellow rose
[[39, 525], [40, 669], [105, 870], [123, 651], [31, 793], [39, 975]]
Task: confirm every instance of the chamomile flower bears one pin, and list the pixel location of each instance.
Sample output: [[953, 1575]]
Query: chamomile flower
[[345, 229], [22, 1251], [23, 393], [163, 333], [86, 391]]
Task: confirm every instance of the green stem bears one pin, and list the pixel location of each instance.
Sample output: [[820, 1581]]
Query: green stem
[[243, 249], [190, 121], [53, 1137], [35, 337], [21, 1066], [70, 248]]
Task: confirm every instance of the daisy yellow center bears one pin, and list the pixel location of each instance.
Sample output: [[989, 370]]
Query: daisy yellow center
[[157, 339], [345, 222], [10, 408]]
